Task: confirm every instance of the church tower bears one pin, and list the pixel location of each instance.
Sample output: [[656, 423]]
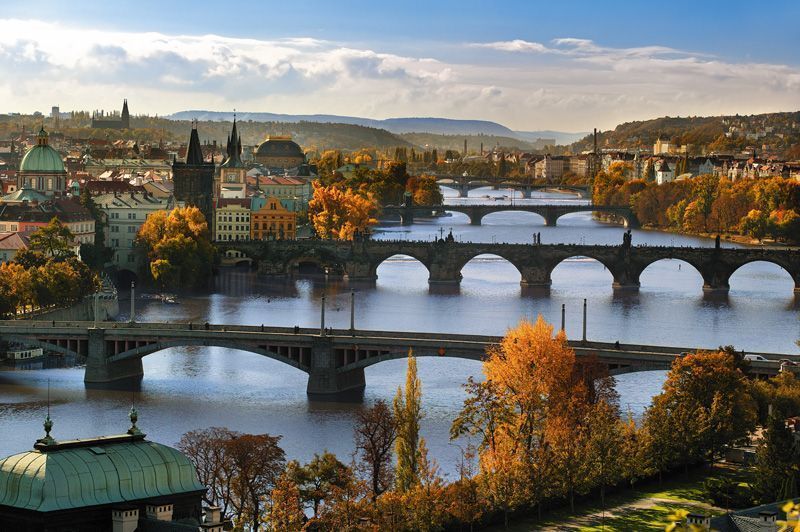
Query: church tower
[[126, 117], [232, 172], [194, 180]]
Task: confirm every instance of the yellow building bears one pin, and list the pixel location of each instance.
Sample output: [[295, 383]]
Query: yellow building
[[273, 221]]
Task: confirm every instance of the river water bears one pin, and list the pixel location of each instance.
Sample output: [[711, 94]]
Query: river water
[[190, 388]]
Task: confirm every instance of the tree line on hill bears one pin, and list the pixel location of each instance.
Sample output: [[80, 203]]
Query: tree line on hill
[[707, 204], [542, 428]]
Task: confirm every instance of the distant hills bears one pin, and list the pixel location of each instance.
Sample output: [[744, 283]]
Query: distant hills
[[398, 126]]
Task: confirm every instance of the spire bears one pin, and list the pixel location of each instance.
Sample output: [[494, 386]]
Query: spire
[[234, 148], [194, 155], [125, 108]]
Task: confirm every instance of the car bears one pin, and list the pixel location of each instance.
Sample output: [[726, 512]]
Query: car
[[788, 362], [756, 358]]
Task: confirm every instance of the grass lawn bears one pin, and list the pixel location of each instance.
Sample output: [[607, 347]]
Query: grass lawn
[[642, 509]]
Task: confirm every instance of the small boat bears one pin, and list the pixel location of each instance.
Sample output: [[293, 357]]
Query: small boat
[[169, 300]]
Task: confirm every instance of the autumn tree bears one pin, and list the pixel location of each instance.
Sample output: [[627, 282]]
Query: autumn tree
[[286, 511], [340, 214], [317, 479], [177, 248], [407, 415], [375, 432], [214, 466]]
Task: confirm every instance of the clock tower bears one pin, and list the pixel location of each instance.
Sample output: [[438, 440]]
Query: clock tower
[[231, 180]]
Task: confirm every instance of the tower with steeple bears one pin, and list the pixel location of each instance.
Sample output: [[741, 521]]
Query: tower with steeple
[[231, 180], [194, 179], [101, 120]]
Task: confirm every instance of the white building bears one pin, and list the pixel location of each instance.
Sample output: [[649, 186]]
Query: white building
[[232, 219], [664, 174], [125, 214]]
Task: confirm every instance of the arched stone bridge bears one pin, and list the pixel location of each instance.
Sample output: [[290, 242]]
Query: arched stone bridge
[[550, 213], [464, 184], [359, 260], [334, 361]]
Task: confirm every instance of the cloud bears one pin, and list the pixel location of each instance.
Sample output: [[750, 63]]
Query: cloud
[[566, 84]]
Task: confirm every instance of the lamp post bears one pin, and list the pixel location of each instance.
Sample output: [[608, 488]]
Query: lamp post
[[563, 315], [322, 316], [352, 312], [133, 302], [584, 320]]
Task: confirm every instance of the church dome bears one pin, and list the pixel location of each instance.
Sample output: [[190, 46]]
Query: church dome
[[279, 147], [42, 158]]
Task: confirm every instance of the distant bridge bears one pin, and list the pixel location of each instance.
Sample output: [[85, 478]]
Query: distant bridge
[[334, 361], [550, 213], [464, 184], [359, 260]]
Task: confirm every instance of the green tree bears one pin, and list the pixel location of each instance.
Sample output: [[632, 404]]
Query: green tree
[[53, 240], [317, 479], [777, 462], [407, 414]]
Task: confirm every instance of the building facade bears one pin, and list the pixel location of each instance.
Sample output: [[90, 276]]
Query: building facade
[[272, 221], [125, 214], [232, 219]]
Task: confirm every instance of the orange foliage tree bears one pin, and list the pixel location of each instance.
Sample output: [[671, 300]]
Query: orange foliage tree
[[340, 213]]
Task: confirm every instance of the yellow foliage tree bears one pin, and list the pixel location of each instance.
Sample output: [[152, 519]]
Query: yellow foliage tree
[[340, 213]]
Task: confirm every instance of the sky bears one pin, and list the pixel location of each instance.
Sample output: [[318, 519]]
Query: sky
[[530, 65]]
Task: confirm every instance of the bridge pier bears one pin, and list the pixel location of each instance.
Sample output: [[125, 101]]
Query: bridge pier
[[99, 370], [535, 277], [526, 193], [325, 382], [550, 219], [443, 274]]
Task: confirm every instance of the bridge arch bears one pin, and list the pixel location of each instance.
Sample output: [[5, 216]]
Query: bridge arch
[[44, 344], [377, 262], [618, 279], [299, 358], [533, 217], [681, 268], [304, 263], [489, 255], [793, 276]]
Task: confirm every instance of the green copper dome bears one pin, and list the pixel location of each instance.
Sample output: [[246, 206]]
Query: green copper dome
[[82, 473], [42, 159]]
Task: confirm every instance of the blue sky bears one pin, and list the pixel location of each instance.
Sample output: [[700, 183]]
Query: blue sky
[[567, 65]]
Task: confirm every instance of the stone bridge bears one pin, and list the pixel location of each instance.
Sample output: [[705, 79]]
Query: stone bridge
[[334, 360], [359, 260], [464, 184], [550, 213]]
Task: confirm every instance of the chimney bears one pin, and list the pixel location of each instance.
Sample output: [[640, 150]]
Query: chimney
[[159, 512], [768, 517], [125, 519], [213, 514]]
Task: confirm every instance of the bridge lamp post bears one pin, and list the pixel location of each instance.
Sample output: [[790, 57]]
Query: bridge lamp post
[[96, 308], [584, 320], [352, 312], [133, 302], [322, 316], [563, 316]]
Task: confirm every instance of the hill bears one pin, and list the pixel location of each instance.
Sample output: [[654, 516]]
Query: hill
[[456, 142], [437, 126], [775, 133]]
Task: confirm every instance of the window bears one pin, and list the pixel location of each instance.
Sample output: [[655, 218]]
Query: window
[[115, 229], [131, 257], [114, 215], [115, 242], [131, 216], [131, 228]]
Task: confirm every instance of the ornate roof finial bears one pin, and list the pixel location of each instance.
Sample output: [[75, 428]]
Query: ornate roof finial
[[48, 424], [134, 417]]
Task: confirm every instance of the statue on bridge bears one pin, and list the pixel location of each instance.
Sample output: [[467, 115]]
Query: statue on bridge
[[626, 239]]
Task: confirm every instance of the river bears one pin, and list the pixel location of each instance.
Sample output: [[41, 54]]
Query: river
[[190, 388]]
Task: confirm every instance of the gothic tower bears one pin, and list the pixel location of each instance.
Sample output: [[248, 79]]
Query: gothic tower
[[126, 117], [232, 172], [194, 180]]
